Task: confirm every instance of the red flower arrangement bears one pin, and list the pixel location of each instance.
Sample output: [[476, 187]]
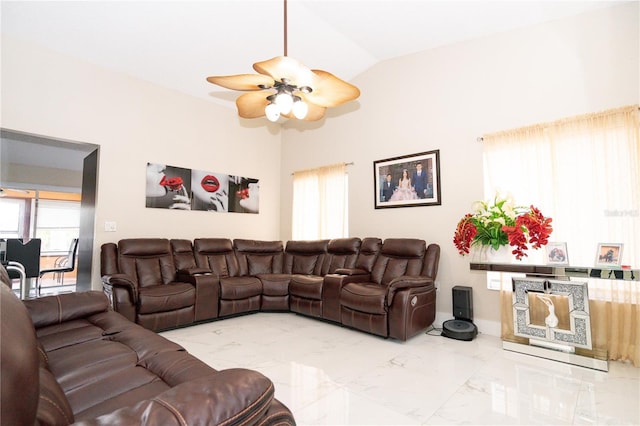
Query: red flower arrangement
[[502, 224]]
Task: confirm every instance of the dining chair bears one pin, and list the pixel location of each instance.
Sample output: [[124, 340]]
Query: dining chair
[[27, 255], [62, 265]]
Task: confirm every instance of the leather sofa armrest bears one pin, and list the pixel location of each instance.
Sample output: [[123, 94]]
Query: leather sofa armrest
[[123, 281], [56, 309], [347, 271], [403, 282], [331, 288], [122, 293], [235, 396], [207, 287]]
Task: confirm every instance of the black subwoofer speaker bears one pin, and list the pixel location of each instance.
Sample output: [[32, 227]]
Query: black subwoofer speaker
[[462, 327], [462, 303]]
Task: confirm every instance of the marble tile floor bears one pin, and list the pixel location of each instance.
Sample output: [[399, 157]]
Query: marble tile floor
[[330, 375]]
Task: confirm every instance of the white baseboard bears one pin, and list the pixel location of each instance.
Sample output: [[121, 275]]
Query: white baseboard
[[492, 328]]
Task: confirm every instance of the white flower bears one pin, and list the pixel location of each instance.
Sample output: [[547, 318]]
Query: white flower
[[478, 207], [509, 210]]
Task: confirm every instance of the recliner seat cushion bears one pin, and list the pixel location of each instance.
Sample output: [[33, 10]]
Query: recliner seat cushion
[[237, 288], [166, 297], [306, 286], [364, 297], [275, 284]]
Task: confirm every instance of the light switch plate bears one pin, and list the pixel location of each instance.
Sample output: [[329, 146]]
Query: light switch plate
[[110, 227]]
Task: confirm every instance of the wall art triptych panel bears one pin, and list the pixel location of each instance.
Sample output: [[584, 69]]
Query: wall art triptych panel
[[170, 187]]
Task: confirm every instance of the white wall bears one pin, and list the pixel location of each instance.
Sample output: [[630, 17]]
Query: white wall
[[444, 99], [440, 99], [135, 122]]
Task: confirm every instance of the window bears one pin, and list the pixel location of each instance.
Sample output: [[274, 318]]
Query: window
[[54, 217], [11, 214], [57, 223], [320, 203], [583, 172]]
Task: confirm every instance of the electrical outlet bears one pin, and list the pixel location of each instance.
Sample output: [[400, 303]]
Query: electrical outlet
[[110, 227], [493, 284]]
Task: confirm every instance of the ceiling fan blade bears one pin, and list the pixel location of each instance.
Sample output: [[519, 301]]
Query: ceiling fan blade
[[242, 81], [285, 67], [315, 113], [252, 104], [330, 91]]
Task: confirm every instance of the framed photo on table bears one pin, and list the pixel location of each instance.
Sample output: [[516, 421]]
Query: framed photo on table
[[556, 254], [608, 255], [407, 181]]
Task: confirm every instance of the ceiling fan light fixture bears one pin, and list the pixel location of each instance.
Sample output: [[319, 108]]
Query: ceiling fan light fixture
[[300, 108], [287, 79], [284, 102], [272, 111]]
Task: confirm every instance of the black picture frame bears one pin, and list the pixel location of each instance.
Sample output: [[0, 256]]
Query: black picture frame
[[419, 191]]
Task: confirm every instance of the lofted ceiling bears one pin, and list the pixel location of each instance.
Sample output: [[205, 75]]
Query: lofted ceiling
[[177, 44]]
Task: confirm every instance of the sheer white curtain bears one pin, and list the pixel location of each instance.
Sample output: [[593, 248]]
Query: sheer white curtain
[[320, 207], [584, 173]]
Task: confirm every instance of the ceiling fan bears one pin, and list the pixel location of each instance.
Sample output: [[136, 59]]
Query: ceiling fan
[[285, 87]]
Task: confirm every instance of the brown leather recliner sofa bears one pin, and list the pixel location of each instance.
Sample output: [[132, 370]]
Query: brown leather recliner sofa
[[386, 288], [69, 359]]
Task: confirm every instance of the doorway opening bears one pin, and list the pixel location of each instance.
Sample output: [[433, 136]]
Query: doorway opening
[[47, 193]]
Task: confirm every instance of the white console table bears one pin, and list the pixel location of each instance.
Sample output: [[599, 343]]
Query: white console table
[[560, 272], [517, 342]]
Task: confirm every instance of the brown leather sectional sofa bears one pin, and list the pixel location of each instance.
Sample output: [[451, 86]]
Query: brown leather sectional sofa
[[69, 359], [386, 288]]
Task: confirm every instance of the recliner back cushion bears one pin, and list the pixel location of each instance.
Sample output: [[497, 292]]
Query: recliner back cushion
[[217, 255], [259, 257], [305, 257], [147, 260], [182, 254], [369, 250], [341, 253], [259, 264], [398, 256], [304, 265]]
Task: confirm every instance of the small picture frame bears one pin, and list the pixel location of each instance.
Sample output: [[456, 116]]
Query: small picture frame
[[557, 253], [608, 255]]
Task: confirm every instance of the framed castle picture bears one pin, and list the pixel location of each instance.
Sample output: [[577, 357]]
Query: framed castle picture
[[608, 255]]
